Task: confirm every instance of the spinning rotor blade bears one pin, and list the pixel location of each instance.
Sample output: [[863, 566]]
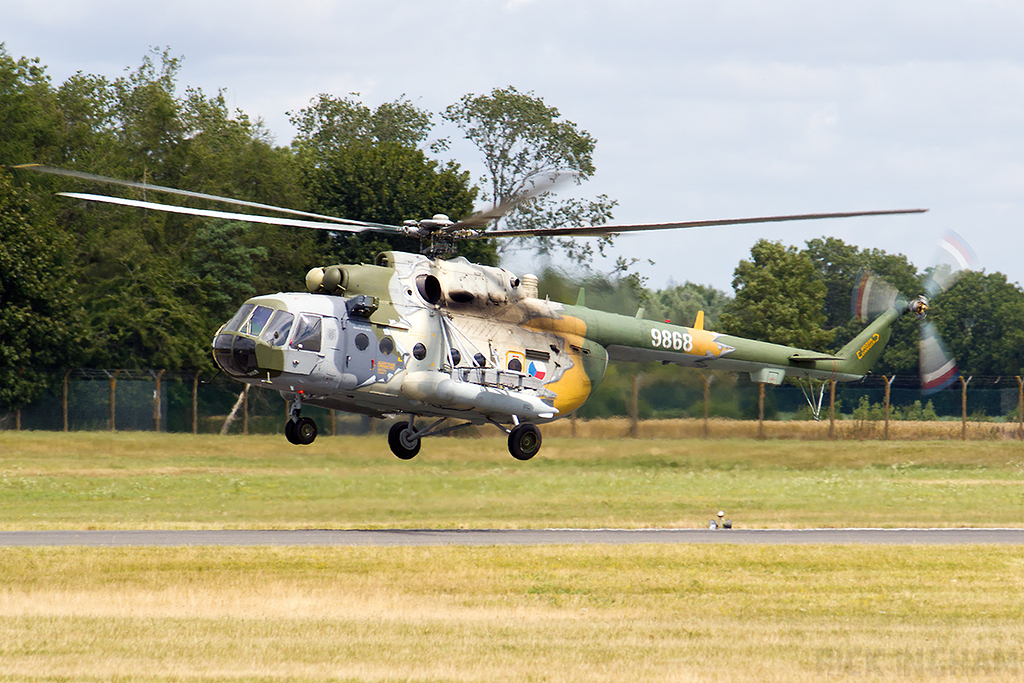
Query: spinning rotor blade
[[347, 226], [954, 257], [872, 295], [601, 230], [938, 367], [355, 226], [479, 220]]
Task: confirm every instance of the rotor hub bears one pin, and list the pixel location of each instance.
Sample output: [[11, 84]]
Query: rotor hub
[[919, 307]]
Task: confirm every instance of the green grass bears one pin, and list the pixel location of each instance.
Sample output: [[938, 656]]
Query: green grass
[[144, 480]]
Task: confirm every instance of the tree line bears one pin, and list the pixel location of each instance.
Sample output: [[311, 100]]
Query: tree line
[[87, 285]]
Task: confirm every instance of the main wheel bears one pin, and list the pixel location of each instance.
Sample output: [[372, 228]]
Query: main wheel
[[305, 431], [289, 432], [524, 441], [403, 440]]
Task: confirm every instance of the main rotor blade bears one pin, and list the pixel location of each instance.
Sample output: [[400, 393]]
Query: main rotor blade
[[600, 230], [348, 226], [479, 219], [93, 177]]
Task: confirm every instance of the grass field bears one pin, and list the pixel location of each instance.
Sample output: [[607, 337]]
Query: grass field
[[143, 480], [637, 613], [551, 613]]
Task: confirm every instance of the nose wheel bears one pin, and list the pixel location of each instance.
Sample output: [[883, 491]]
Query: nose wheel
[[301, 432]]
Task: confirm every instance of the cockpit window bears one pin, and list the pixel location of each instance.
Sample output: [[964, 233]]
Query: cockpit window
[[307, 333], [243, 314], [276, 331], [257, 321]]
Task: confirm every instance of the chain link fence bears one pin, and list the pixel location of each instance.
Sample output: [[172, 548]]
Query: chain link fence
[[153, 400]]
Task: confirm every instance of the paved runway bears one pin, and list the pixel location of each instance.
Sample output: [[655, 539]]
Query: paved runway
[[491, 537]]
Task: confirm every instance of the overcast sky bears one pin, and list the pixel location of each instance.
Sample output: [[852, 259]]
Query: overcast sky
[[700, 109]]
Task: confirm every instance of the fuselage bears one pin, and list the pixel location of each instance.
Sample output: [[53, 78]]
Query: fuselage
[[419, 336]]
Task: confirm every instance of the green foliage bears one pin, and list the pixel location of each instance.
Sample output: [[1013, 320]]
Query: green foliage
[[331, 124], [524, 143], [680, 304], [40, 319], [778, 299], [866, 411], [29, 120], [981, 319], [839, 264], [365, 164]]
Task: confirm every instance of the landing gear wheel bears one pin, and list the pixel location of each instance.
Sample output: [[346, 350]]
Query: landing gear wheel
[[305, 431], [524, 441], [403, 440], [289, 432]]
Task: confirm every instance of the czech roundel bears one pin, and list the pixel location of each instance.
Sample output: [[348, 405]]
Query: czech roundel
[[537, 370]]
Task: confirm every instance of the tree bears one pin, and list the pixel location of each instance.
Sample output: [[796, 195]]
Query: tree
[[680, 304], [366, 164], [29, 122], [525, 143], [331, 123], [839, 264], [778, 299], [41, 323], [981, 319]]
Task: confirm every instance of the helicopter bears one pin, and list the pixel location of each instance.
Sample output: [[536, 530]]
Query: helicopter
[[437, 338]]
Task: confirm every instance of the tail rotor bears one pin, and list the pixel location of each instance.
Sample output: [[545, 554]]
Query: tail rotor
[[872, 295]]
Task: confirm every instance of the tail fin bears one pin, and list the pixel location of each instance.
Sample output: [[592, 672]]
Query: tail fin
[[865, 349]]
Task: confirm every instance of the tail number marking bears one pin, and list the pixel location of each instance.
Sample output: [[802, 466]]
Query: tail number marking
[[671, 339]]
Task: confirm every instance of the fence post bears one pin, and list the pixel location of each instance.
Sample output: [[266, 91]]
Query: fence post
[[888, 388], [760, 410], [113, 393], [195, 403], [634, 406], [963, 406], [64, 399], [245, 411], [831, 409], [1020, 407], [156, 401], [706, 381]]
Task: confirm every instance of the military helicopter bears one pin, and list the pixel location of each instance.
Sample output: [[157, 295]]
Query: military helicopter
[[439, 339]]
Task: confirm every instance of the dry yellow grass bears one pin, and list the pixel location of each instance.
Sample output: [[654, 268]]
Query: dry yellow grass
[[638, 613], [614, 428]]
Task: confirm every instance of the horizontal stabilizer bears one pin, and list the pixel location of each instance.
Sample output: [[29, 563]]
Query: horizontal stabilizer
[[811, 358]]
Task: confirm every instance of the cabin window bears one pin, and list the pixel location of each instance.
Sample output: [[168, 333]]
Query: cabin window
[[257, 321], [307, 333], [276, 332]]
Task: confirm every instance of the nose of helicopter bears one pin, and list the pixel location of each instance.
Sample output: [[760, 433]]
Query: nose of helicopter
[[236, 355], [245, 347]]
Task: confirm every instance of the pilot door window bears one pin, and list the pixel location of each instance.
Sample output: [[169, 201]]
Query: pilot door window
[[276, 331], [307, 333], [257, 321]]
